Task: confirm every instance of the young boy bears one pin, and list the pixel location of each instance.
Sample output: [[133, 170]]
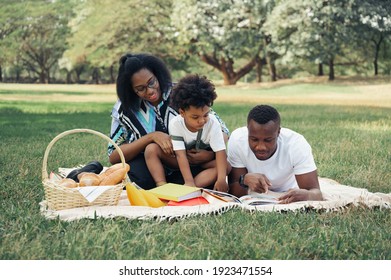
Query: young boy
[[194, 129]]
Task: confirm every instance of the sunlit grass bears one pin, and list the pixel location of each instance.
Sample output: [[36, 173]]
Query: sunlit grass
[[351, 144], [316, 91], [53, 107]]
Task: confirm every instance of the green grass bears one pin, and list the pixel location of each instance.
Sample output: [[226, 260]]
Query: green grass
[[50, 107], [39, 92], [351, 144]]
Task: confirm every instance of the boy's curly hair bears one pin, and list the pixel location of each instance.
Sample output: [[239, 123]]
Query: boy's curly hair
[[193, 90]]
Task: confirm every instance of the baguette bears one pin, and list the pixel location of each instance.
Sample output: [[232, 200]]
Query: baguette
[[113, 168], [114, 175], [110, 170]]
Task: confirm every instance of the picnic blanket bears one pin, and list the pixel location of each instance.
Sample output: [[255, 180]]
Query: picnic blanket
[[336, 198]]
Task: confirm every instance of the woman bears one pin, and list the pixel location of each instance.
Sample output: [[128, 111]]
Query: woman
[[141, 117]]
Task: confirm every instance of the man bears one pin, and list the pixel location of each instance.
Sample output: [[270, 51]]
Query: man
[[265, 157]]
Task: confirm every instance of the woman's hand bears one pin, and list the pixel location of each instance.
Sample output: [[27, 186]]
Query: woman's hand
[[198, 157], [164, 142]]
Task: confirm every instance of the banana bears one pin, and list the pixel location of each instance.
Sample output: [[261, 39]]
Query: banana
[[152, 199], [135, 197]]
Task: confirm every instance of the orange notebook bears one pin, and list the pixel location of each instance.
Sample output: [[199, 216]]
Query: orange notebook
[[189, 202]]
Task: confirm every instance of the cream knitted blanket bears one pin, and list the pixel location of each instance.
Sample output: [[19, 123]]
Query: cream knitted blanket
[[337, 197]]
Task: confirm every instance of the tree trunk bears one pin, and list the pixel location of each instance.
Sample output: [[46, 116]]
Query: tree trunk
[[273, 72], [42, 78], [320, 69], [226, 68], [112, 77], [226, 77], [17, 77], [375, 60], [377, 51], [48, 77], [272, 68], [69, 77], [78, 73], [1, 74], [331, 70], [259, 66], [375, 66], [269, 61], [95, 75]]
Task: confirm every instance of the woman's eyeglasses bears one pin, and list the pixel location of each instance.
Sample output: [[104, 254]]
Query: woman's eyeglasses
[[143, 89]]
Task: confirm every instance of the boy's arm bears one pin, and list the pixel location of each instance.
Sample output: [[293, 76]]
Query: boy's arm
[[221, 165], [185, 168]]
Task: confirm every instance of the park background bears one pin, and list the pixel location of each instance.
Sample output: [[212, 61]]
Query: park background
[[325, 65], [75, 41]]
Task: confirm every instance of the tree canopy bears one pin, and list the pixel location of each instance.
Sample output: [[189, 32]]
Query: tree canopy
[[48, 40]]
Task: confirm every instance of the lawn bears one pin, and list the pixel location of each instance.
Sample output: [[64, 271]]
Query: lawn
[[347, 123]]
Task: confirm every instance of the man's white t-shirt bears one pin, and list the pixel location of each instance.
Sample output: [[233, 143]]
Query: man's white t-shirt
[[292, 157], [211, 134]]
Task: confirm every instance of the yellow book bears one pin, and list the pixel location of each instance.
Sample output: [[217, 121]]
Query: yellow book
[[175, 192]]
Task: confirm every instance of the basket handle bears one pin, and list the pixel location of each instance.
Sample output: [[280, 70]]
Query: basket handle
[[45, 174]]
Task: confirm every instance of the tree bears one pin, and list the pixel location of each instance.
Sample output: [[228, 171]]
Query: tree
[[222, 32], [36, 36], [33, 34], [373, 19], [14, 12], [317, 31], [124, 26]]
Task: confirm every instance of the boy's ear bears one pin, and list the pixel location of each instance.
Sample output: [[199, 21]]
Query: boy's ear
[[182, 112]]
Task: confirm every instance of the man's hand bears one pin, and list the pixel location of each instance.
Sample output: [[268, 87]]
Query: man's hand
[[257, 182], [294, 195]]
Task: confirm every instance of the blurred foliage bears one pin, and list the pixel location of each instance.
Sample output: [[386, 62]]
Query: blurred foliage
[[80, 41]]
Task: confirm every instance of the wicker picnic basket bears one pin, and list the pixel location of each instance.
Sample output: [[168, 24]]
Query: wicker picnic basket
[[59, 197]]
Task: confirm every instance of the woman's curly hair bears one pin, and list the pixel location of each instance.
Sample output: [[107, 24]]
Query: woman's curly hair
[[129, 64], [193, 90]]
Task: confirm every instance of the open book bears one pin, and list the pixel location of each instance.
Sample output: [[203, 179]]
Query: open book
[[180, 195], [251, 199]]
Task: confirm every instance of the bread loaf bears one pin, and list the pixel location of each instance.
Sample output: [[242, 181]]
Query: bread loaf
[[114, 175], [89, 179], [67, 183]]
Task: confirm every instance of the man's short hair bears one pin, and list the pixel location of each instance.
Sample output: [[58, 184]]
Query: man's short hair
[[263, 114]]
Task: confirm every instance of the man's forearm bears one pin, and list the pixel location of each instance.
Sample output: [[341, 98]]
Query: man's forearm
[[315, 194], [237, 190]]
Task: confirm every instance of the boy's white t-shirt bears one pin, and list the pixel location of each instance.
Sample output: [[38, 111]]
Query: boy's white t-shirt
[[292, 157], [211, 133]]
